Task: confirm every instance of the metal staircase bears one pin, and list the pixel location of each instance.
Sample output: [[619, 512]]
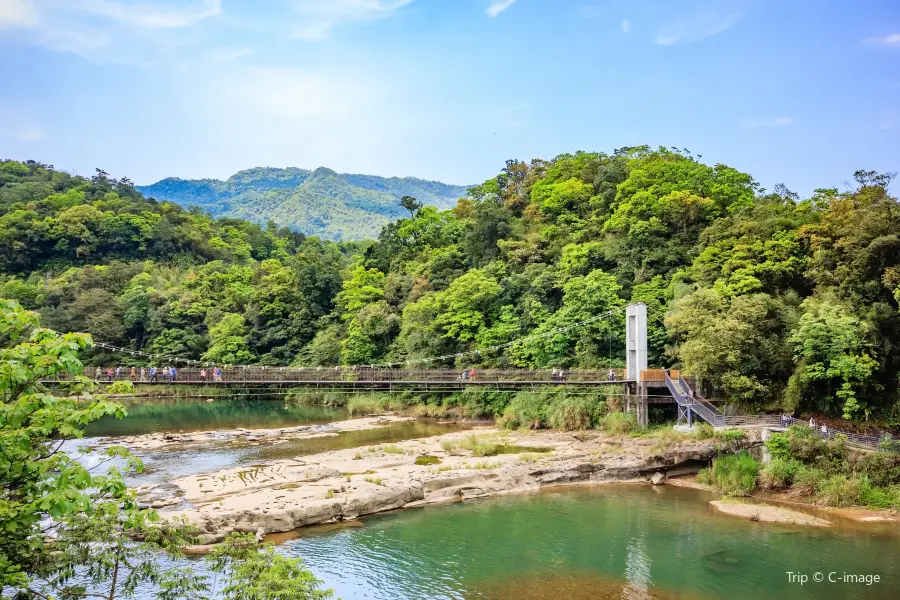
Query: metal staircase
[[690, 404]]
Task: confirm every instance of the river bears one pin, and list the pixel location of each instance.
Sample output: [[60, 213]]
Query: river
[[584, 542]]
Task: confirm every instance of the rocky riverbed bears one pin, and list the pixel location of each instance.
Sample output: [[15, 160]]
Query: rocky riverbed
[[178, 441], [342, 485]]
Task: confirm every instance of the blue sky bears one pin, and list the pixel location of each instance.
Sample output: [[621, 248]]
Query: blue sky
[[801, 91]]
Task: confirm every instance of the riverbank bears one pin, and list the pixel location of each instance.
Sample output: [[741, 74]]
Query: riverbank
[[282, 495], [789, 507]]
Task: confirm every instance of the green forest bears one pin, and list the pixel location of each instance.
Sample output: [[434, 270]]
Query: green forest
[[773, 301], [336, 206]]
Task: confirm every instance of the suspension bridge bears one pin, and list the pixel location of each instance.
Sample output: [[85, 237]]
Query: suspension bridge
[[639, 385]]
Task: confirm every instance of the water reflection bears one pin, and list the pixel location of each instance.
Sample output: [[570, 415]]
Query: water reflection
[[193, 414]]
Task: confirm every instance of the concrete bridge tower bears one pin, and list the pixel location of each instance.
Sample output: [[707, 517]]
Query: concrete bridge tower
[[636, 358]]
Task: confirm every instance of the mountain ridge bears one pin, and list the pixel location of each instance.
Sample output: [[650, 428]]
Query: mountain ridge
[[321, 201]]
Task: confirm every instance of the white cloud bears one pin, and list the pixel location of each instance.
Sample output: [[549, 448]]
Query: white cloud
[[323, 15], [292, 93], [887, 40], [695, 28], [18, 13], [29, 135], [226, 54], [765, 123], [313, 32], [151, 15], [498, 6], [83, 42], [626, 26], [349, 9]]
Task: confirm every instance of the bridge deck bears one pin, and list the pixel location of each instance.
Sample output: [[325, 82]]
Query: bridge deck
[[379, 384]]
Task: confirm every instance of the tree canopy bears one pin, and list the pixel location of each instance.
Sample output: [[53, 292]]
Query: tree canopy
[[772, 300]]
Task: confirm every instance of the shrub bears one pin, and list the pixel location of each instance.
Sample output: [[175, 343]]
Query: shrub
[[571, 413], [618, 423], [881, 497], [526, 410], [807, 481], [426, 459], [840, 490], [779, 446], [477, 403], [889, 444], [779, 473], [392, 449], [704, 431], [730, 439], [364, 404], [704, 476], [429, 410], [881, 469], [735, 474]]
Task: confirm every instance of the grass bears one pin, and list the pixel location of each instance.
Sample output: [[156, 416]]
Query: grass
[[572, 413], [703, 431], [734, 474], [425, 459], [448, 447], [329, 494], [375, 480], [490, 446], [530, 457], [620, 423], [730, 439], [484, 464], [357, 456], [430, 410], [364, 404], [392, 449], [779, 473], [480, 445]]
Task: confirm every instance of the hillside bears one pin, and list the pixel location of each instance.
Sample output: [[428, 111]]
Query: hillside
[[320, 202], [772, 301]]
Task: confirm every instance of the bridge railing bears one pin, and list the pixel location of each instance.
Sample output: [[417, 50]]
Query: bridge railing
[[829, 433], [278, 374]]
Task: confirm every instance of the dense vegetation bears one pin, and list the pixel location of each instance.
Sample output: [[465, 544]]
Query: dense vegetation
[[321, 202], [771, 300], [811, 468], [69, 530]]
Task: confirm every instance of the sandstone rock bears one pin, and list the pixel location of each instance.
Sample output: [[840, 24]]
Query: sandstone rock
[[657, 478]]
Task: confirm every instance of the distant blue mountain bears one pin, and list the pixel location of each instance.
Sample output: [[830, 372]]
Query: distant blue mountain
[[320, 202]]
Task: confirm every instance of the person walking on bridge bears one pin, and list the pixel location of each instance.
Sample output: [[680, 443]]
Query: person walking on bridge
[[143, 375], [612, 375], [133, 375], [98, 374], [109, 374], [154, 376]]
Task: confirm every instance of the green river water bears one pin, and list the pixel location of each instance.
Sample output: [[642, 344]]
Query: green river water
[[608, 541], [585, 542]]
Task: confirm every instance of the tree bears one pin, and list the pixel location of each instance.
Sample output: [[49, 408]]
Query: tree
[[228, 341], [735, 344], [410, 204], [68, 532], [834, 362]]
